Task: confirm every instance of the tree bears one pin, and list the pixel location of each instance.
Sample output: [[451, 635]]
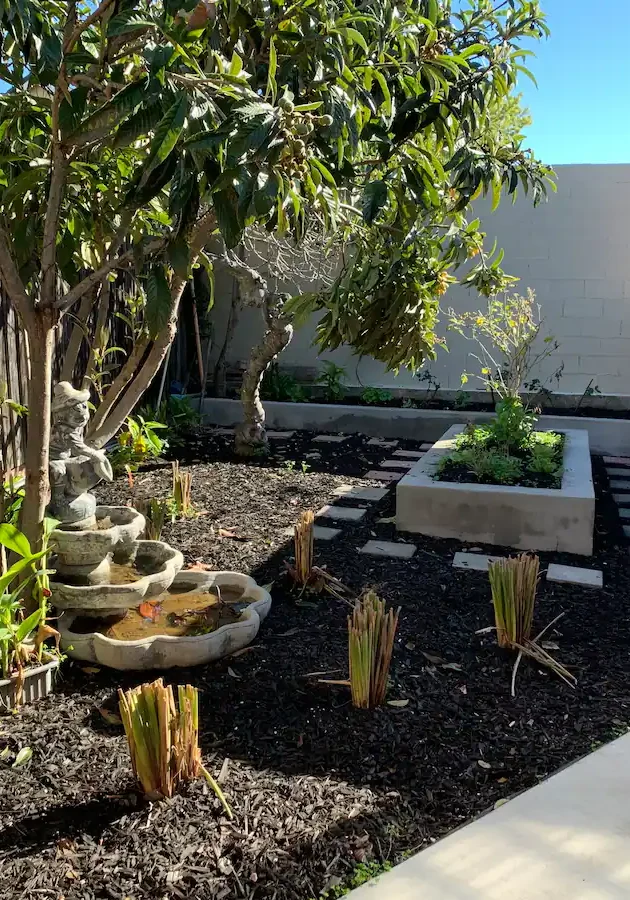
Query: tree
[[134, 130]]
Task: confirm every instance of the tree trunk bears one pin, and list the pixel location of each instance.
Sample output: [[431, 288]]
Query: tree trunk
[[41, 341], [250, 436], [220, 387], [79, 333]]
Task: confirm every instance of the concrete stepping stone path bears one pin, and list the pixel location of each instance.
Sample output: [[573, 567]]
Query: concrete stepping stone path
[[330, 438], [280, 435], [617, 460], [477, 562], [375, 475], [621, 499], [413, 454], [575, 575], [346, 513], [320, 532], [398, 463], [618, 485], [618, 473], [356, 492], [393, 549], [381, 442]]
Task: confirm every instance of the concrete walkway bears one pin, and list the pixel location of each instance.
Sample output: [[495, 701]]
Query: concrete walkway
[[566, 839]]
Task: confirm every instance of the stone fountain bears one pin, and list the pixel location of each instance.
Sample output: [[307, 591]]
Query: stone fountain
[[106, 574]]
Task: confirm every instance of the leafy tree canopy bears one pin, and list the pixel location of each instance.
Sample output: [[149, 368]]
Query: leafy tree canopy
[[364, 118]]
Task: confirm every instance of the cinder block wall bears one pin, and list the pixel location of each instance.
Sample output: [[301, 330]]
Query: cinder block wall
[[574, 251]]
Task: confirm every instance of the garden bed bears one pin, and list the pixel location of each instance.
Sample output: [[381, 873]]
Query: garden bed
[[318, 788]]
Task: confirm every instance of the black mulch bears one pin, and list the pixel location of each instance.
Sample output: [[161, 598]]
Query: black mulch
[[316, 786]]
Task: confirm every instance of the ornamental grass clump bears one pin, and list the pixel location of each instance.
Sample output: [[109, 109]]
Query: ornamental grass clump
[[513, 582], [371, 633], [164, 739], [182, 492]]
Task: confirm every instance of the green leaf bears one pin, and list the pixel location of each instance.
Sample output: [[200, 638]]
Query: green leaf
[[432, 11], [355, 37], [374, 198], [178, 253], [159, 302], [167, 132], [272, 88], [13, 539], [28, 625], [225, 208], [22, 758], [127, 21]]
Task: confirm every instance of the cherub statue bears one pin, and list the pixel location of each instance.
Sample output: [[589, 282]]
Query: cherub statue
[[75, 467]]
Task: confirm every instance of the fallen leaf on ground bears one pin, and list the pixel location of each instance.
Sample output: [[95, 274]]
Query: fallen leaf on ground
[[110, 717], [435, 660], [389, 520], [289, 632], [227, 533], [410, 645], [23, 757], [199, 567], [483, 764], [550, 645], [454, 666], [397, 703], [500, 802], [90, 670], [232, 673], [244, 650]]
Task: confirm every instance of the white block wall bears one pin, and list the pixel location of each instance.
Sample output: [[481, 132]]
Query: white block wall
[[574, 251]]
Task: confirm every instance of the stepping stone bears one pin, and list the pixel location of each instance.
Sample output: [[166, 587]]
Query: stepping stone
[[425, 446], [280, 435], [356, 492], [223, 431], [621, 499], [476, 561], [396, 550], [330, 438], [347, 513], [414, 454], [575, 575], [375, 475], [398, 463], [624, 513], [314, 455], [618, 473], [617, 460], [617, 485], [381, 442], [320, 532]]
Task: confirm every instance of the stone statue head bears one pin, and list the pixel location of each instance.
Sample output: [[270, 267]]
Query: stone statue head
[[70, 406]]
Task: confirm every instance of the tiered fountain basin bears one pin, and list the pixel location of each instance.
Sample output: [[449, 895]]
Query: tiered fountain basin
[[188, 624]]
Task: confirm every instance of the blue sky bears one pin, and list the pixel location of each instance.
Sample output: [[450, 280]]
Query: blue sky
[[581, 109]]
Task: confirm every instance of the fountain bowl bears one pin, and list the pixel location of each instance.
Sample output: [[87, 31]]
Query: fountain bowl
[[169, 651], [161, 562], [89, 547]]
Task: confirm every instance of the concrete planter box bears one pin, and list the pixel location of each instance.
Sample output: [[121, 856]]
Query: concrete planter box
[[521, 517], [38, 683], [610, 437]]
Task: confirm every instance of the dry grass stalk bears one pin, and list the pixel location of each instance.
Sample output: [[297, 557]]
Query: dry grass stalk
[[371, 633], [155, 513], [182, 491], [513, 582], [303, 540], [164, 739]]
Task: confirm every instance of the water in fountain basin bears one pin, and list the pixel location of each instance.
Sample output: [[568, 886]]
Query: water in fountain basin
[[178, 613]]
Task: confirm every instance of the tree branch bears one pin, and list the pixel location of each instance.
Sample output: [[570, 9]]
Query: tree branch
[[119, 262], [13, 284], [85, 24]]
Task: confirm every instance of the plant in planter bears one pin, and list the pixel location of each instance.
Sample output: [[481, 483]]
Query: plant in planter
[[376, 396], [332, 380], [22, 636]]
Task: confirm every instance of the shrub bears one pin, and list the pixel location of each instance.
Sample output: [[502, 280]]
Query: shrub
[[279, 385], [376, 396], [137, 444], [332, 379]]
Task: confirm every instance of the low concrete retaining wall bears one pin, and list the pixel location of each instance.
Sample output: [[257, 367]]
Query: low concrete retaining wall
[[606, 436]]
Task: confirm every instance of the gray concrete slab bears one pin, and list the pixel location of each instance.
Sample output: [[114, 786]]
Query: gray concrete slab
[[618, 485], [320, 532], [411, 454], [398, 463], [394, 549], [621, 499], [575, 575], [357, 492], [342, 513], [330, 438], [478, 562], [617, 472], [565, 839], [381, 442], [376, 475]]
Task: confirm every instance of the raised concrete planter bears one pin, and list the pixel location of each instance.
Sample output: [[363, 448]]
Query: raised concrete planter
[[606, 436], [166, 651], [521, 517]]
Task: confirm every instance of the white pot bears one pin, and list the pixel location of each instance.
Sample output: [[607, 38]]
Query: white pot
[[168, 651], [38, 683]]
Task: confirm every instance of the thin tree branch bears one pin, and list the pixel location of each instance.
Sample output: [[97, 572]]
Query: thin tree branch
[[79, 332], [13, 284], [85, 24], [119, 262]]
